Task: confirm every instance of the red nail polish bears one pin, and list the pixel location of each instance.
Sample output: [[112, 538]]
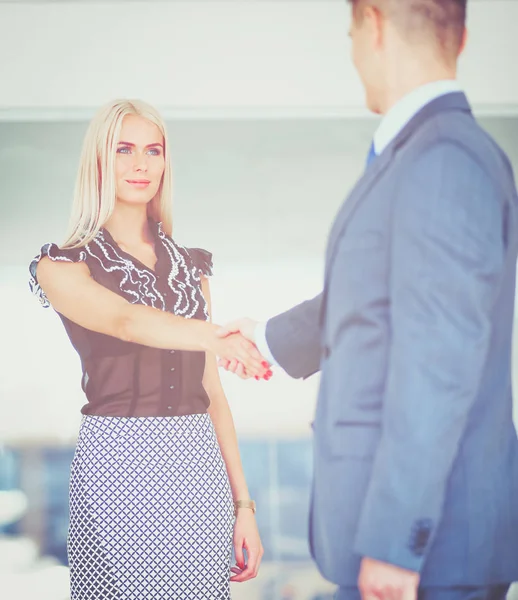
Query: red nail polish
[[265, 364]]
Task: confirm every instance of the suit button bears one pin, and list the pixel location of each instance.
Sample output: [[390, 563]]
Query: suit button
[[421, 532]]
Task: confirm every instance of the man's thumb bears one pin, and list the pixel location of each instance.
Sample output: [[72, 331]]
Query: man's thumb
[[228, 329], [222, 332]]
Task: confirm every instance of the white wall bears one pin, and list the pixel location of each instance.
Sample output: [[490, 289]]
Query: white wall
[[276, 57]]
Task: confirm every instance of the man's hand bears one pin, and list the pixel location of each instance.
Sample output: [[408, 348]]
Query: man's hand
[[381, 581], [245, 327]]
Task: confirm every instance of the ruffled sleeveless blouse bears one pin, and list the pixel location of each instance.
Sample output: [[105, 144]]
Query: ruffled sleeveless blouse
[[125, 379]]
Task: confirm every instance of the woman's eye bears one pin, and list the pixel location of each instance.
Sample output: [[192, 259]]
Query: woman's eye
[[127, 150]]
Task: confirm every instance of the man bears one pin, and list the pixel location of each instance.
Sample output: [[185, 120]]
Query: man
[[416, 456]]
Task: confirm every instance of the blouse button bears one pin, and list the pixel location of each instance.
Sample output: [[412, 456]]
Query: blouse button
[[171, 387], [169, 408], [171, 351], [172, 368]]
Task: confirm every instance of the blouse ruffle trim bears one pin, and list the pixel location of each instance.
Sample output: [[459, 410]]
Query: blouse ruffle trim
[[202, 260], [55, 253]]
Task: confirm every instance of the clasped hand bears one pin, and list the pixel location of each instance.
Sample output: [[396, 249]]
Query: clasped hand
[[238, 353]]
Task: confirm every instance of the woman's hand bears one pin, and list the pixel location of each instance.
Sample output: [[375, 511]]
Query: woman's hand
[[246, 536], [237, 348], [245, 327], [233, 366]]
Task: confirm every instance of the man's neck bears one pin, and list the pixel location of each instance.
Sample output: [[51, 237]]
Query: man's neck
[[407, 106], [408, 80]]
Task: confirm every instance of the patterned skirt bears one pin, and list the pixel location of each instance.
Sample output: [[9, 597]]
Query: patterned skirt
[[151, 513]]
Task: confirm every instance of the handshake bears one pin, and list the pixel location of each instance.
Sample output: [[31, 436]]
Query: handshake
[[237, 352]]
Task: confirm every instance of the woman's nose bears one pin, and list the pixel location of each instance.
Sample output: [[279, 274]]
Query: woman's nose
[[140, 163]]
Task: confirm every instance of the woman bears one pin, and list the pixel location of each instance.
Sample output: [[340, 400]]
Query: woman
[[156, 467]]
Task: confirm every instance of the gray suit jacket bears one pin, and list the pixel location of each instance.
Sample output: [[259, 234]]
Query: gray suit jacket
[[416, 455]]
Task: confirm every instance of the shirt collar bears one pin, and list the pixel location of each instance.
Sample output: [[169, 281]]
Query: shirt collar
[[401, 113]]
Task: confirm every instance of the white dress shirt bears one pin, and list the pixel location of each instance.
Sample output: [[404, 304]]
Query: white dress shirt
[[391, 124], [401, 113]]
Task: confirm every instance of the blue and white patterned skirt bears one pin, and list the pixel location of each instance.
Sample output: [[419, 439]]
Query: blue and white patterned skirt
[[151, 512]]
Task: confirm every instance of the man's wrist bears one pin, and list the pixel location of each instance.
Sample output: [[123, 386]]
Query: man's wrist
[[262, 343], [250, 331]]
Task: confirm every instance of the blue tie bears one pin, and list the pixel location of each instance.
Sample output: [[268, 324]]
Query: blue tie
[[372, 154]]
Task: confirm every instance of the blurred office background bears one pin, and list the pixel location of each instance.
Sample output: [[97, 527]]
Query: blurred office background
[[268, 131]]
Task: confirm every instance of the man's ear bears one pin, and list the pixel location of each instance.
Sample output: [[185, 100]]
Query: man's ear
[[464, 40], [374, 22]]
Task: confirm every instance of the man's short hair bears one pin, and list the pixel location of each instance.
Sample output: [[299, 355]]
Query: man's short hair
[[444, 19]]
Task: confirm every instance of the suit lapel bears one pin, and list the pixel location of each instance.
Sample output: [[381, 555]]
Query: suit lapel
[[371, 175], [454, 101]]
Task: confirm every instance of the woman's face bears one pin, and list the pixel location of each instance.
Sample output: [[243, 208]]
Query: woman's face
[[140, 162]]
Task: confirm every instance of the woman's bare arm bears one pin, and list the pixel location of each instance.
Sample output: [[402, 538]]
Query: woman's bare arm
[[221, 416], [73, 293], [219, 410]]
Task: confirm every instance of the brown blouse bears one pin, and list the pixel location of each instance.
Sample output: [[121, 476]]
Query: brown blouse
[[124, 379]]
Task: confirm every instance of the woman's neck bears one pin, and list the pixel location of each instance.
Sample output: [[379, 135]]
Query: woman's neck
[[129, 225]]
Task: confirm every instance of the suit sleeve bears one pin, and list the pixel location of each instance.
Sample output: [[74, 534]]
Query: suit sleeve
[[447, 264], [293, 338]]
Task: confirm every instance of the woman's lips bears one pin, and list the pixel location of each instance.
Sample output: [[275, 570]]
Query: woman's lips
[[138, 183]]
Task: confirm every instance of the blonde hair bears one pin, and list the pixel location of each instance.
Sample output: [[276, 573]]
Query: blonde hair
[[95, 189]]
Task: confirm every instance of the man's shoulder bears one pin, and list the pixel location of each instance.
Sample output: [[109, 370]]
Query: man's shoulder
[[451, 127], [461, 134]]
